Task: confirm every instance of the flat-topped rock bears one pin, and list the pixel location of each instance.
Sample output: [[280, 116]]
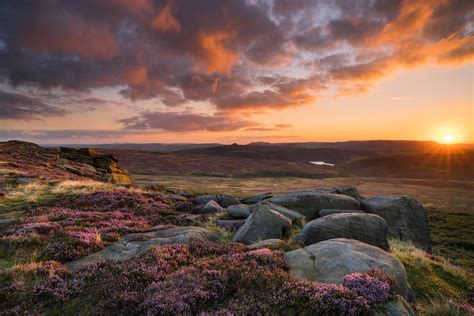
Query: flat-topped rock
[[368, 228], [330, 260], [134, 244], [266, 243], [406, 218], [310, 202], [294, 216]]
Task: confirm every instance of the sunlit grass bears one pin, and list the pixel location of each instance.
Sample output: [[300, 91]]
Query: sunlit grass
[[433, 279]]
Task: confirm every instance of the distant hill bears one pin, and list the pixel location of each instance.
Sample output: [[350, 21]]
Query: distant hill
[[281, 152], [161, 147], [380, 146]]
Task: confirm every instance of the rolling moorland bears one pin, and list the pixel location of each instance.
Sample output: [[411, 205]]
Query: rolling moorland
[[61, 214]]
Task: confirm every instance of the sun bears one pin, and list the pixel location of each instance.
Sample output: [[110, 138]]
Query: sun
[[448, 139]]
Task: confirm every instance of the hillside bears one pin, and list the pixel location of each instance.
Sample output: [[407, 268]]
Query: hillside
[[70, 244]]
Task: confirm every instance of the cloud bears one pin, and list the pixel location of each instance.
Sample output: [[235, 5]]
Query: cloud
[[68, 134], [236, 56], [184, 122], [16, 106]]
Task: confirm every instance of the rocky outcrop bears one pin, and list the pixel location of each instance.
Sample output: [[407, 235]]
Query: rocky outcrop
[[105, 165], [28, 163], [240, 211], [330, 260], [262, 224], [335, 211], [135, 244], [368, 228], [230, 224], [224, 200], [406, 218], [310, 202]]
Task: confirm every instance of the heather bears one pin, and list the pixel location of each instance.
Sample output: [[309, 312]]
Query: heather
[[188, 279], [75, 225]]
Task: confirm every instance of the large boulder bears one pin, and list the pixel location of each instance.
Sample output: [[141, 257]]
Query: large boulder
[[329, 211], [348, 190], [262, 224], [135, 244], [330, 260], [310, 202], [240, 211], [368, 228], [405, 217], [224, 200], [294, 216], [256, 199], [210, 208]]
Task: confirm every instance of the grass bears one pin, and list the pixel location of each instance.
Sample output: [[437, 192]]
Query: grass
[[21, 197], [434, 280]]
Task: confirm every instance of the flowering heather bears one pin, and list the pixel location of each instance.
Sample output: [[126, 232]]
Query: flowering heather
[[82, 224], [201, 277], [374, 290]]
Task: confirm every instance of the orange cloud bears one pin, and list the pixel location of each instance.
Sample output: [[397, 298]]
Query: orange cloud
[[165, 21], [137, 76], [216, 57]]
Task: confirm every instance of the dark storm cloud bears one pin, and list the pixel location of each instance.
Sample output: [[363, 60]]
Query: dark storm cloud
[[231, 54], [20, 107], [184, 122]]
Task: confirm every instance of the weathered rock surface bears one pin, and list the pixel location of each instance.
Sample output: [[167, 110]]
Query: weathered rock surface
[[294, 216], [134, 244], [330, 260], [262, 224], [405, 217], [224, 200], [266, 243], [368, 228], [210, 208], [256, 199], [348, 190], [30, 162], [310, 202], [336, 211], [240, 211]]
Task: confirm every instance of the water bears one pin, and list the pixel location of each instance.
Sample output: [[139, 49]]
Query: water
[[322, 163]]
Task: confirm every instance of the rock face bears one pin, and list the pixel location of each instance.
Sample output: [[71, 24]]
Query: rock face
[[405, 217], [134, 244], [335, 211], [348, 190], [396, 307], [256, 199], [294, 216], [310, 202], [223, 199], [368, 228], [240, 211], [262, 224], [30, 162], [210, 208], [329, 261], [105, 165]]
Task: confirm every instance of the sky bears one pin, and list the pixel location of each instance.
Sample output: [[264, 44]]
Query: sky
[[108, 71]]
